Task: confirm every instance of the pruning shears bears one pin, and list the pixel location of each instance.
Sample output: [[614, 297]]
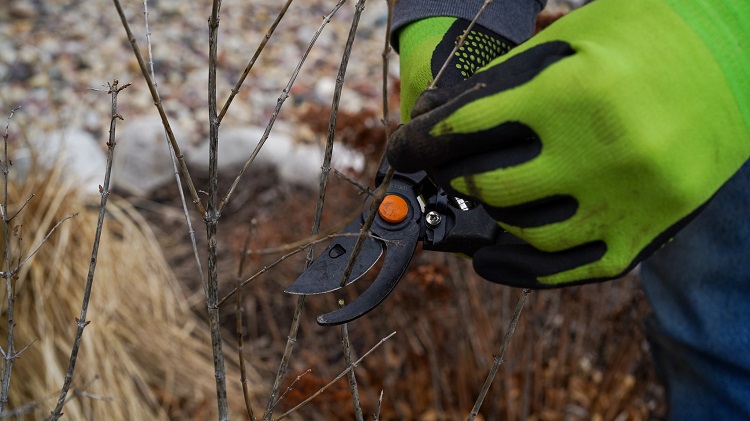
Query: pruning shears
[[413, 210]]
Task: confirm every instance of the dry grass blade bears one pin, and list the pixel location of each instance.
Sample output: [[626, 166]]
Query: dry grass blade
[[145, 342]]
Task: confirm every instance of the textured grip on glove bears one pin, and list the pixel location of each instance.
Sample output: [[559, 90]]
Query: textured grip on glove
[[425, 45]]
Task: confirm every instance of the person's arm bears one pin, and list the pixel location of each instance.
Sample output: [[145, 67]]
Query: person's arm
[[596, 140]]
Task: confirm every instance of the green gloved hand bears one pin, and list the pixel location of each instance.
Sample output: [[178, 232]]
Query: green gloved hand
[[596, 140], [425, 44]]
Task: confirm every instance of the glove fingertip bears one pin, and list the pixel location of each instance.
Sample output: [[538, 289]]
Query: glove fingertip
[[428, 101], [400, 151]]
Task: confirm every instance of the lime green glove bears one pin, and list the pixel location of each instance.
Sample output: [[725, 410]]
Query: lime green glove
[[425, 44], [596, 140]]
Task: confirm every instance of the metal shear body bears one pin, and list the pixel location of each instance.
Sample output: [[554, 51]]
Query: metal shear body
[[440, 222]]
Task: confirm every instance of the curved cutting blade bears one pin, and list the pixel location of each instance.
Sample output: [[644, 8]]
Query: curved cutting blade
[[397, 257], [325, 273]]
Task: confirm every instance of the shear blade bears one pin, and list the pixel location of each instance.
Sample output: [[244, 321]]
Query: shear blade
[[326, 272], [397, 258]]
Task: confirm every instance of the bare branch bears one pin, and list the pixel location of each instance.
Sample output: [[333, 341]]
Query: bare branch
[[10, 287], [380, 405], [347, 347], [213, 213], [114, 90], [188, 221], [160, 108], [250, 65], [285, 358], [291, 386], [22, 207], [279, 103], [297, 316], [364, 189]]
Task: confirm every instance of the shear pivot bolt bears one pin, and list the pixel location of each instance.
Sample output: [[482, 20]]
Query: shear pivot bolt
[[393, 209], [432, 218]]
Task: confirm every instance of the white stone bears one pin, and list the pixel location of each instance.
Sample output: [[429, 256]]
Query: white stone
[[295, 162], [142, 157], [82, 159]]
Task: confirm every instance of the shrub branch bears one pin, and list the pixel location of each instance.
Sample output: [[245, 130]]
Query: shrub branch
[[81, 322]]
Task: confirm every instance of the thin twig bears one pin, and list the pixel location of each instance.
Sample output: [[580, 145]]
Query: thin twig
[[41, 243], [250, 64], [188, 221], [335, 101], [326, 167], [347, 347], [499, 358], [9, 286], [459, 43], [337, 378], [279, 103], [380, 406], [114, 90], [364, 189], [291, 386], [162, 114], [285, 358], [33, 406], [22, 207]]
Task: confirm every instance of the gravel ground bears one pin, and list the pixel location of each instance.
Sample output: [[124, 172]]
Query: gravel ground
[[57, 56]]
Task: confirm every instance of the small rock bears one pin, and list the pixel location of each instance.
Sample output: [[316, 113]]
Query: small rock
[[142, 158], [75, 149], [20, 9]]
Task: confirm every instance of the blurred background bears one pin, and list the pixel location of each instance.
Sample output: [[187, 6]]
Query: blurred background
[[577, 354]]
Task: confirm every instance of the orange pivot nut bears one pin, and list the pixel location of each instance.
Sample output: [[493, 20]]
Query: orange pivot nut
[[393, 209]]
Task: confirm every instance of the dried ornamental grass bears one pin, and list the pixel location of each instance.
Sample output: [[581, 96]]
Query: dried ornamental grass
[[144, 355]]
